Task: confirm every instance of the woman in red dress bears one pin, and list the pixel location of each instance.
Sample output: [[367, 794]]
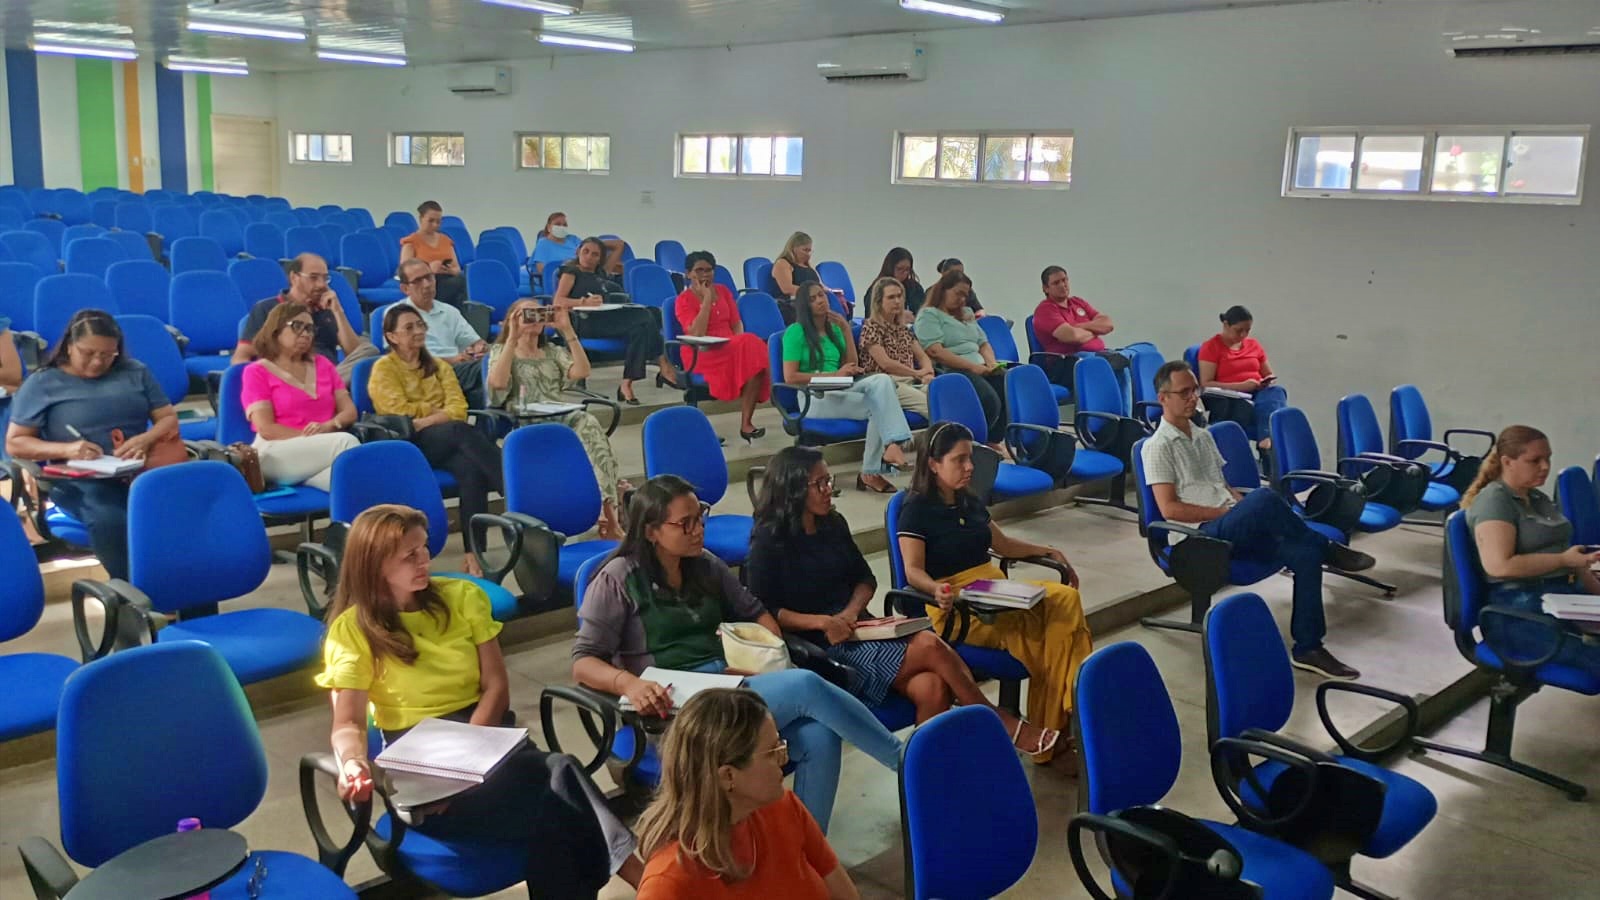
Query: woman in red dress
[[738, 368]]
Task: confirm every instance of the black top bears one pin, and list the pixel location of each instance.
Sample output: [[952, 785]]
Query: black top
[[586, 283], [957, 537], [814, 574], [801, 275], [325, 340], [972, 301]]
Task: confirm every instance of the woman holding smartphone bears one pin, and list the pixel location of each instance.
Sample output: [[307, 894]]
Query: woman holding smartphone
[[438, 251], [1234, 361], [582, 285]]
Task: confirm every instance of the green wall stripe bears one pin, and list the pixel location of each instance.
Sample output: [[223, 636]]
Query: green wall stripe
[[202, 106], [97, 123]]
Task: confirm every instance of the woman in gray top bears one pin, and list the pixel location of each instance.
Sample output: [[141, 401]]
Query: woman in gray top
[[1525, 547]]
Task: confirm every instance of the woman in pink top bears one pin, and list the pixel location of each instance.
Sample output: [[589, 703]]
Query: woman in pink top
[[296, 402]]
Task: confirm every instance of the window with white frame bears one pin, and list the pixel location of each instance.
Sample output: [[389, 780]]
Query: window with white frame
[[1497, 164], [564, 152], [321, 148], [1025, 158], [740, 155], [412, 149]]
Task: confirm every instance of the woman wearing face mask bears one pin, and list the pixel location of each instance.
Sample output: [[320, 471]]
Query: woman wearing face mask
[[1234, 361], [888, 346], [583, 284], [296, 402], [738, 368], [899, 266], [556, 243], [438, 251]]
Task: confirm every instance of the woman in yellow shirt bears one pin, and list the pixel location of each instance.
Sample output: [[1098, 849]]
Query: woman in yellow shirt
[[413, 647], [406, 381]]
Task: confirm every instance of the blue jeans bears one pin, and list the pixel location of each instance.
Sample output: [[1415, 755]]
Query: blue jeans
[[814, 717], [1263, 527], [1525, 640], [102, 507], [875, 399]]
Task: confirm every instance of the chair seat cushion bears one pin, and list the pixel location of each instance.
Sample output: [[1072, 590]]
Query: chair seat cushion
[[304, 501], [1408, 807], [1377, 517], [198, 429], [1440, 496], [32, 692], [459, 867], [989, 662], [916, 420], [648, 772], [576, 553], [446, 480], [728, 537], [834, 430], [1328, 531], [1012, 480], [63, 527], [502, 603], [617, 346], [1093, 465], [895, 712], [199, 366], [1583, 681], [1282, 871], [257, 643], [288, 875], [1061, 394]]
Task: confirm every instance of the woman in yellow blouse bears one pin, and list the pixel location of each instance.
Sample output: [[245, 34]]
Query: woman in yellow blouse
[[409, 382]]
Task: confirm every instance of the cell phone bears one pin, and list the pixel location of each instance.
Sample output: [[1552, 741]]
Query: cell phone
[[1268, 380], [539, 314], [64, 472]]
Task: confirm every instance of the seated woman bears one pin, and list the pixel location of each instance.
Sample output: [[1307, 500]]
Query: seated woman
[[722, 826], [583, 283], [888, 346], [945, 536], [556, 244], [1526, 550], [659, 601], [955, 342], [951, 264], [898, 265], [819, 343], [406, 381], [438, 251], [790, 271], [409, 647], [807, 569], [1233, 361], [296, 402], [89, 400], [738, 368], [525, 367]]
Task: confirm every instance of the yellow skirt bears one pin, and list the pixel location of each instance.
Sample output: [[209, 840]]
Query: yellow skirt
[[1052, 640]]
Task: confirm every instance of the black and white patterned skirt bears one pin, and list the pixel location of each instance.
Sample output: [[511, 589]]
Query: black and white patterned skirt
[[873, 666]]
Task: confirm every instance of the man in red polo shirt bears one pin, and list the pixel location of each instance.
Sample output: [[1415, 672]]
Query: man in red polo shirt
[[1066, 324]]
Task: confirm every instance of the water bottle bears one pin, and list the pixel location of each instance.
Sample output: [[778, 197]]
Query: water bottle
[[522, 398], [192, 824]]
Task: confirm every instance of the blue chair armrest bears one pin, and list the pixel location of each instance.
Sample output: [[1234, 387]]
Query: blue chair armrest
[[1149, 410], [313, 561], [1348, 747], [1560, 637], [49, 873], [330, 853], [1231, 769], [129, 621], [590, 704]]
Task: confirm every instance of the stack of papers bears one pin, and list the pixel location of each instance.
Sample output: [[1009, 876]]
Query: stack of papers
[[107, 465], [1575, 607], [821, 381], [440, 758], [708, 340], [1007, 594], [540, 408], [682, 685], [1224, 392]]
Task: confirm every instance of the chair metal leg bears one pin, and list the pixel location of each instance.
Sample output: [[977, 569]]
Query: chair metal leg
[[1388, 589], [1503, 702], [1116, 495], [1360, 890], [1429, 522], [1199, 604]]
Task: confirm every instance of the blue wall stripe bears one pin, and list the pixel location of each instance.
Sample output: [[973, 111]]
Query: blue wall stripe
[[22, 92], [170, 136]]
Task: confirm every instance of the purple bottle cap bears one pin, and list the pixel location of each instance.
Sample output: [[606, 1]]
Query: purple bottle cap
[[189, 824]]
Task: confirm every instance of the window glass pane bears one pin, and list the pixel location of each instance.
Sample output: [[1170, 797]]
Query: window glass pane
[[1005, 157], [720, 156], [530, 151], [755, 156], [300, 147], [419, 150], [694, 155], [1468, 164], [458, 151], [577, 154], [788, 155], [916, 156], [1544, 164], [1322, 162], [599, 154], [1390, 162], [342, 150], [958, 158], [1051, 160], [316, 148], [402, 150], [551, 148], [438, 150]]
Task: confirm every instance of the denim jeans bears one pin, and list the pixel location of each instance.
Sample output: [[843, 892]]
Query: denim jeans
[[102, 506], [1525, 640], [1263, 527], [875, 399]]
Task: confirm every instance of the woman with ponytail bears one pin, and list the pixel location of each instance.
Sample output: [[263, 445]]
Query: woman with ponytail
[[1525, 548]]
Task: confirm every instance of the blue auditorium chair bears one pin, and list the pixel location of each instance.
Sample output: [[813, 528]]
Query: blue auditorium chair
[[140, 287], [388, 243], [78, 233], [449, 221], [404, 219], [103, 212], [835, 275], [551, 496], [793, 403], [1294, 451], [308, 217], [466, 250], [1580, 503], [759, 314], [755, 273], [628, 268], [1131, 752], [197, 254], [1142, 370], [375, 283], [306, 239], [264, 240], [258, 278], [10, 219], [362, 215], [680, 441], [333, 235], [670, 255], [33, 248], [490, 283], [330, 209], [206, 307], [152, 736], [361, 375], [346, 293], [685, 358], [223, 226], [53, 230], [1466, 606], [147, 339], [73, 206], [1032, 407], [652, 285], [952, 398], [725, 278], [1411, 437], [18, 281], [133, 244], [970, 832], [998, 334], [32, 680], [56, 298], [281, 219], [345, 222], [173, 222], [92, 256], [1359, 435], [495, 248], [133, 215]]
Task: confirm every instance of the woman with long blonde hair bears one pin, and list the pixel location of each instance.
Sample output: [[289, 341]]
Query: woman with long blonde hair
[[791, 272], [1525, 549], [722, 825]]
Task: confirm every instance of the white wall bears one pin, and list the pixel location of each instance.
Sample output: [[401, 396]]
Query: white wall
[[1174, 215]]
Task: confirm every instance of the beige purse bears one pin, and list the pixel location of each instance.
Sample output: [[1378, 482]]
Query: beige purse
[[748, 647]]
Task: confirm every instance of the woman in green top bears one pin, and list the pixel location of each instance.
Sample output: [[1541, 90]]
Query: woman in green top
[[1526, 551], [524, 367], [950, 333], [819, 343]]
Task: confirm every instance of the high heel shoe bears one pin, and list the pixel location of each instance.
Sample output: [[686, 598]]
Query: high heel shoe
[[663, 382], [631, 401], [861, 485], [752, 435]]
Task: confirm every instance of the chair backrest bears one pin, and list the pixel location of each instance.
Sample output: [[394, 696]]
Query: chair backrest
[[134, 215], [103, 212], [333, 238], [147, 340], [1465, 588], [341, 288], [1239, 466], [22, 602], [53, 231], [760, 315], [389, 244], [1408, 420], [388, 472], [835, 275], [92, 256], [263, 240], [258, 278], [362, 215], [514, 236], [197, 254], [343, 221], [952, 398], [57, 297], [670, 255], [173, 222], [998, 333], [671, 330], [497, 249], [1029, 399], [1191, 356], [1294, 445], [140, 287], [652, 285], [73, 206], [134, 244], [548, 476], [725, 278], [206, 307], [787, 400], [136, 712], [1359, 431], [755, 278], [330, 209], [972, 830], [232, 424], [1143, 375], [17, 283], [363, 252], [490, 282], [307, 216], [466, 251], [306, 239], [360, 375], [1580, 504], [452, 222], [11, 219], [1249, 682], [1096, 389], [628, 268], [281, 219], [587, 570], [191, 511], [1128, 731], [77, 233], [33, 248], [404, 219], [680, 441], [222, 226], [1149, 511]]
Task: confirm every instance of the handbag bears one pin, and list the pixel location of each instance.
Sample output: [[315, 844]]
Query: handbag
[[244, 458], [748, 647], [1336, 505], [1400, 487]]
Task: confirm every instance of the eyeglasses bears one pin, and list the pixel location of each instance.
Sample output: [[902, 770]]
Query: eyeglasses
[[1186, 393], [299, 327], [413, 328], [95, 355], [822, 485], [781, 751], [313, 276], [421, 279], [692, 523], [702, 270]]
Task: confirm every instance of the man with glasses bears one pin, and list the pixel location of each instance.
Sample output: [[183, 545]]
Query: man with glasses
[[450, 337], [1183, 468], [308, 284]]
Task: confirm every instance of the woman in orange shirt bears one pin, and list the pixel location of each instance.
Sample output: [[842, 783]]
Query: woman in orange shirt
[[722, 825], [438, 251]]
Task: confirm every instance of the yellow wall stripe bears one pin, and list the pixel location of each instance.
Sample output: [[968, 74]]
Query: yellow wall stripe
[[132, 125]]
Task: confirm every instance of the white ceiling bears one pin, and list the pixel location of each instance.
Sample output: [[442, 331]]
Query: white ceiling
[[450, 31]]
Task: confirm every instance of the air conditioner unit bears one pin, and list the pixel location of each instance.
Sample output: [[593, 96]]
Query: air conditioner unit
[[875, 59], [1467, 45], [480, 81]]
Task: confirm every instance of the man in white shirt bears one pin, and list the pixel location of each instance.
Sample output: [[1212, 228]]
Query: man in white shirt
[[450, 338], [1183, 468]]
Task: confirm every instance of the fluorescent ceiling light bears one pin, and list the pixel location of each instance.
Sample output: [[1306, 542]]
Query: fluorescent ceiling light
[[93, 27], [543, 6], [257, 31], [960, 10], [232, 66], [563, 40], [340, 56], [101, 52]]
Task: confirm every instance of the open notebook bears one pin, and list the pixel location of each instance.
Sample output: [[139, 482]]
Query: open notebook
[[106, 465], [682, 685]]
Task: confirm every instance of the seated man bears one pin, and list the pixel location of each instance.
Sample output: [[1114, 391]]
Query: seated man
[[1183, 467], [450, 339], [308, 284], [1068, 325]]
